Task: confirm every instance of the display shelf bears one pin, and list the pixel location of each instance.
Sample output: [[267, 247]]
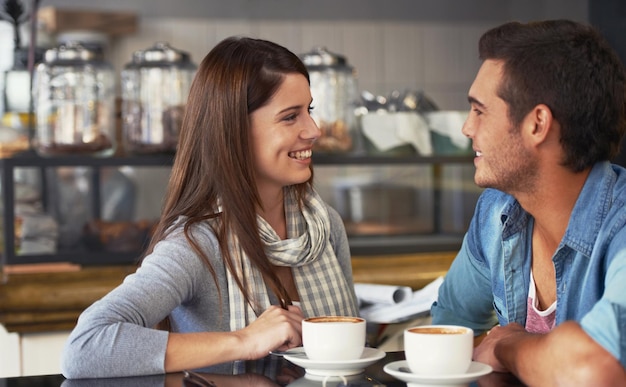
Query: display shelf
[[360, 245], [32, 160], [435, 241], [84, 258], [356, 159], [404, 244]]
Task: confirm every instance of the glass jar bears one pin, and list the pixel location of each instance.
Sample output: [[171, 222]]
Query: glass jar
[[17, 120], [335, 95], [74, 102], [155, 86]]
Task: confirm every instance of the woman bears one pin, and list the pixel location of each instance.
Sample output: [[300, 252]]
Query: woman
[[242, 236]]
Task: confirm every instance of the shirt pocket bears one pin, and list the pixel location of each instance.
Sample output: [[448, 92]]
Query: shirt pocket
[[500, 308]]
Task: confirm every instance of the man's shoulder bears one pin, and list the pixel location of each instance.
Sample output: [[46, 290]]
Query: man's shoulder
[[606, 185], [620, 176]]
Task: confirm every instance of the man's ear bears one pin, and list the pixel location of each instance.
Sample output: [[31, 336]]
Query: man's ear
[[539, 123]]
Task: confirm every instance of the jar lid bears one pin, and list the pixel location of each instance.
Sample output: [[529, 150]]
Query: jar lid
[[321, 57], [72, 52], [90, 39], [159, 54]]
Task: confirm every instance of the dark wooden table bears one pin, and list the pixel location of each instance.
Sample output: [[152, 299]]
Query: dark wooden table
[[374, 376]]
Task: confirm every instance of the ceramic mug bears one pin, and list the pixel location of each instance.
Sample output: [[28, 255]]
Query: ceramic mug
[[438, 349], [333, 338]]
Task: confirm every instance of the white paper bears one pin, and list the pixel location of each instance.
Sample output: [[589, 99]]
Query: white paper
[[418, 304], [381, 294], [380, 129], [413, 129], [389, 130], [449, 124]]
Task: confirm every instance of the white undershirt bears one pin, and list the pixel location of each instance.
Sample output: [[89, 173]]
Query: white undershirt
[[538, 321]]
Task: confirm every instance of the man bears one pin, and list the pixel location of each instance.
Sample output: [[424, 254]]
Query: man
[[545, 254]]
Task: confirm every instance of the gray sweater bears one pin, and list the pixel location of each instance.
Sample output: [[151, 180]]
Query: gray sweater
[[113, 337]]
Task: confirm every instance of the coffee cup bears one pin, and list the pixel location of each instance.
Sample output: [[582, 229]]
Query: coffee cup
[[438, 349], [333, 338]]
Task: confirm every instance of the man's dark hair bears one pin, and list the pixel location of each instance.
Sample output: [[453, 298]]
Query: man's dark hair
[[569, 67]]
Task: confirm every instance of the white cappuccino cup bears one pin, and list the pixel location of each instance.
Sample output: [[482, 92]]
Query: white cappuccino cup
[[439, 349], [333, 338]]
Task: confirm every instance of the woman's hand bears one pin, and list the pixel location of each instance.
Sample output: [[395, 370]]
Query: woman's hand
[[275, 329]]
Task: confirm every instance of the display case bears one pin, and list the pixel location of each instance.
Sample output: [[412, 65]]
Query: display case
[[79, 209], [399, 204], [99, 211]]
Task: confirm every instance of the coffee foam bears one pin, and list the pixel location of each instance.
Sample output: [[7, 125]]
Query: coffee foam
[[438, 331], [326, 319]]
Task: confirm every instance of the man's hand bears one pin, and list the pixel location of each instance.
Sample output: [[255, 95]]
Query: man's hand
[[485, 351], [566, 356]]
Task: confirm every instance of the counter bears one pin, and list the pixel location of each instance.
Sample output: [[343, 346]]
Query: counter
[[289, 374], [52, 301]]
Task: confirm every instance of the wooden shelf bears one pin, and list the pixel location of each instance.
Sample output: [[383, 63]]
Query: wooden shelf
[[52, 301], [57, 20], [414, 270]]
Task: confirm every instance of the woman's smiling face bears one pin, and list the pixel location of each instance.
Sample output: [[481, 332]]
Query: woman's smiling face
[[283, 133]]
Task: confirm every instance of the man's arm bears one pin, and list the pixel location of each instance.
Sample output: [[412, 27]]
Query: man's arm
[[566, 356]]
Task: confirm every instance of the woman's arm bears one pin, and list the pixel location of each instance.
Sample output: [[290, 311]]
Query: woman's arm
[[275, 328]]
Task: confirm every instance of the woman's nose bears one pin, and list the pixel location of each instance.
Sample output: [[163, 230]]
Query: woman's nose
[[310, 130]]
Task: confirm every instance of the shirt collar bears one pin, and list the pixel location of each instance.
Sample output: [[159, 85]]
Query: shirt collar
[[591, 208], [589, 212]]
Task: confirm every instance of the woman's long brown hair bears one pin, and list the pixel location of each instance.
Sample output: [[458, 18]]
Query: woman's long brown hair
[[238, 76]]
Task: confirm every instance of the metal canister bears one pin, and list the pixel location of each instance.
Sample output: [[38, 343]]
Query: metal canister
[[155, 86], [335, 96], [74, 102]]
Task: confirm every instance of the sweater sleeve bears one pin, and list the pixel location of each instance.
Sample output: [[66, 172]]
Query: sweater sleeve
[[115, 337]]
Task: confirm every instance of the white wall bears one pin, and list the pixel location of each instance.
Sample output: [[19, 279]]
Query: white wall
[[10, 354], [424, 10], [393, 44], [30, 353], [41, 353], [438, 58]]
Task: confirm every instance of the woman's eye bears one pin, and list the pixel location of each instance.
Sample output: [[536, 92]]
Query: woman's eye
[[311, 109], [290, 117]]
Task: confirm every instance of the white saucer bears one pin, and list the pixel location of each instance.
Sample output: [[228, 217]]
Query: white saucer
[[400, 370], [334, 368]]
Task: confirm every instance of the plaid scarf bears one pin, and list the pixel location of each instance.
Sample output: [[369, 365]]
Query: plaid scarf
[[321, 285]]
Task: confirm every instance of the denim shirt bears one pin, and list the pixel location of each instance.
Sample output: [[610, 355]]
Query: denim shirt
[[488, 281]]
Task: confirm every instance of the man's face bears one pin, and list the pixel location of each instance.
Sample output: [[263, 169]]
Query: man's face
[[501, 161]]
